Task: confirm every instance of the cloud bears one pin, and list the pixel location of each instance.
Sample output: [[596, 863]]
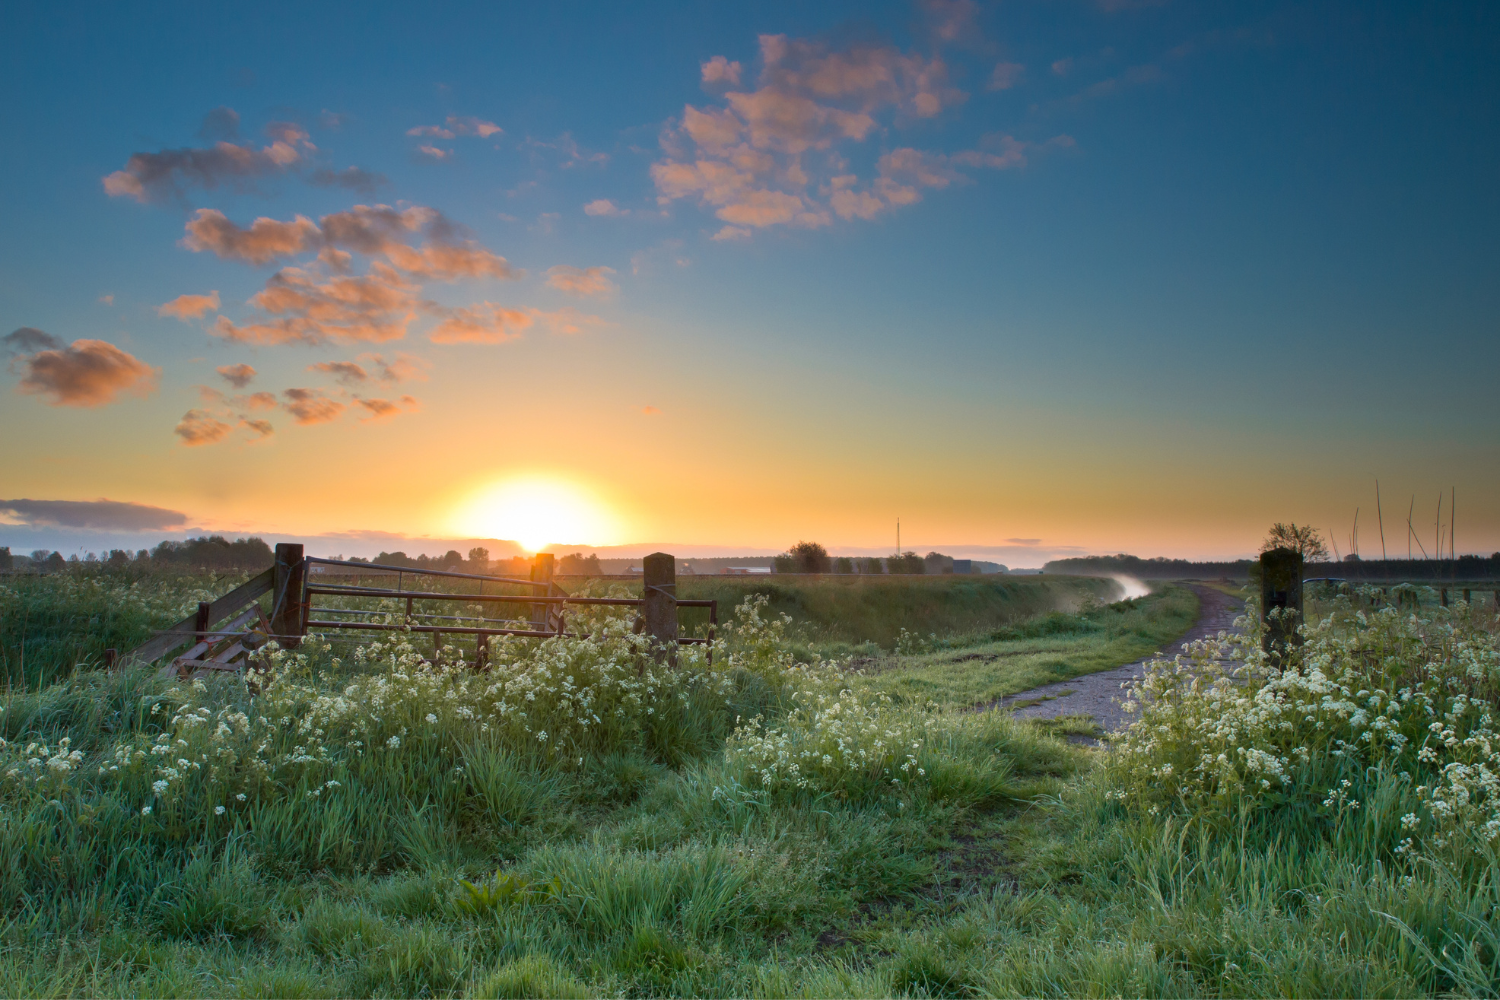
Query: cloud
[[1062, 66], [456, 126], [186, 307], [149, 177], [719, 70], [311, 406], [953, 20], [265, 240], [572, 154], [260, 427], [484, 323], [1005, 75], [310, 309], [732, 233], [380, 409], [402, 367], [434, 152], [97, 515], [650, 411], [568, 320], [1024, 541], [346, 372], [588, 282], [257, 401], [222, 123], [237, 375], [108, 300], [355, 179], [88, 373], [602, 206], [200, 427], [372, 230], [749, 158], [29, 340]]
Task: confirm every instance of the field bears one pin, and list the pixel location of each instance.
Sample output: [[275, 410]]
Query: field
[[582, 821]]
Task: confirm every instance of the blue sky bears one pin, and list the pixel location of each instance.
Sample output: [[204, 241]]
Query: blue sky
[[1141, 275]]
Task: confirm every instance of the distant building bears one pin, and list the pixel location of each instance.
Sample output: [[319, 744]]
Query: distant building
[[964, 566], [747, 570]]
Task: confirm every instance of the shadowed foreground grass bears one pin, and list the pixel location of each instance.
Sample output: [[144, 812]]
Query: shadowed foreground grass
[[579, 823]]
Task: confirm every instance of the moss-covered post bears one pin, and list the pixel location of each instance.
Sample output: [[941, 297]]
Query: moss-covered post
[[659, 572], [1280, 589]]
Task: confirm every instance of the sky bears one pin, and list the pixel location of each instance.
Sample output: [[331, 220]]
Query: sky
[[1037, 278]]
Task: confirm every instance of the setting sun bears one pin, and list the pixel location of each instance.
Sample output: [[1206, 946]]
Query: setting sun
[[536, 513]]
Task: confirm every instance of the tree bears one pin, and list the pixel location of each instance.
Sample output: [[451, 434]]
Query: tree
[[1305, 541], [936, 562], [907, 562], [809, 557], [479, 559], [874, 564], [843, 564], [55, 561], [6, 563], [578, 564], [118, 557]]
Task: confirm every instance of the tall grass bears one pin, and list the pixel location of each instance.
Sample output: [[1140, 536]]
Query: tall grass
[[377, 825]]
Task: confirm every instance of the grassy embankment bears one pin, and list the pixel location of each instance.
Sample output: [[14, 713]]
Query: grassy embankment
[[371, 827]]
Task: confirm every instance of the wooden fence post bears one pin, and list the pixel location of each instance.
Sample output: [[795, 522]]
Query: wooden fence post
[[659, 573], [288, 613], [201, 622], [1281, 588], [542, 566]]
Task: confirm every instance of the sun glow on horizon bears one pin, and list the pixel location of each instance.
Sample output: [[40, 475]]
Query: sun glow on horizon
[[537, 512]]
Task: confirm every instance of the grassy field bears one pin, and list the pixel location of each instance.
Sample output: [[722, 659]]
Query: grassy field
[[579, 821]]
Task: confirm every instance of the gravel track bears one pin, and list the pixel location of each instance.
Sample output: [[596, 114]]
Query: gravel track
[[1098, 695]]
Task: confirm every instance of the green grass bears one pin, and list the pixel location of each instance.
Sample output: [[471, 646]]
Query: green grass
[[844, 615], [1042, 650], [651, 863]]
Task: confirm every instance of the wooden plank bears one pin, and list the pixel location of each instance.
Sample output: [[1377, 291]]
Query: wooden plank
[[212, 639], [166, 641]]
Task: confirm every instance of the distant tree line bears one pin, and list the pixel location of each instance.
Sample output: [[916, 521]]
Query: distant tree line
[[811, 557], [210, 552]]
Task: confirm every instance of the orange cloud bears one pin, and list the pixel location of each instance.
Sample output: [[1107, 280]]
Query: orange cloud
[[371, 308], [238, 375], [567, 320], [343, 371], [588, 282], [401, 368], [257, 401], [261, 427], [186, 307], [485, 323], [265, 240], [748, 159], [380, 409], [88, 373], [373, 230], [199, 427], [311, 406]]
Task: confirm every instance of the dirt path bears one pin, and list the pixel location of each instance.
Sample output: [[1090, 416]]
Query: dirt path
[[1098, 695]]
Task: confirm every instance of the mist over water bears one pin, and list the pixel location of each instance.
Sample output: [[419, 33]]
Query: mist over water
[[1130, 585]]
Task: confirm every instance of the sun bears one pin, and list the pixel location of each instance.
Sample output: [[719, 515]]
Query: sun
[[537, 512]]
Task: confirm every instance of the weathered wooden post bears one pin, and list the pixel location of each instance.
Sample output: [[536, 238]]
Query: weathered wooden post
[[542, 566], [1467, 598], [111, 658], [659, 611], [1280, 589], [1443, 596], [201, 622], [288, 612]]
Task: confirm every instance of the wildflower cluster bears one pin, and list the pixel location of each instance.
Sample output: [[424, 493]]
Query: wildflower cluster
[[830, 741], [1414, 695]]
